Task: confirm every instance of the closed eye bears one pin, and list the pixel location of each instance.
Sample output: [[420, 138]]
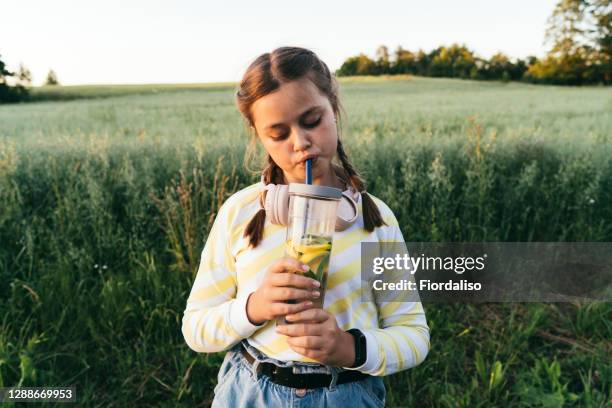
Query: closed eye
[[308, 125], [277, 138], [312, 124]]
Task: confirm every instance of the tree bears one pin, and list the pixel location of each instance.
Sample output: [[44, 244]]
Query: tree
[[422, 63], [566, 69], [8, 92], [24, 75], [598, 32], [499, 66], [348, 67], [579, 34], [405, 62], [357, 65], [565, 31], [51, 78], [454, 61], [601, 35], [518, 69], [4, 72], [383, 65], [365, 66]]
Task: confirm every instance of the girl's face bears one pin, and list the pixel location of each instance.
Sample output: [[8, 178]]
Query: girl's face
[[294, 123]]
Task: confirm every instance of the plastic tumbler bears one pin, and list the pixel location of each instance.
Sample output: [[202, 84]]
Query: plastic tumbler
[[310, 229]]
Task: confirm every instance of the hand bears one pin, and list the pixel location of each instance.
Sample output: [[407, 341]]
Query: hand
[[280, 284], [314, 333]]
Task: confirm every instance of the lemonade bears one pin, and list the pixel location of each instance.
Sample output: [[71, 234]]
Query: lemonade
[[314, 251]]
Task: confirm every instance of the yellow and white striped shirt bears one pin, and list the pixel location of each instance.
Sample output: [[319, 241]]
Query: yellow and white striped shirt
[[215, 319]]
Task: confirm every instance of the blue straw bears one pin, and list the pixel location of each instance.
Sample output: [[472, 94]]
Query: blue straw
[[309, 171], [308, 181]]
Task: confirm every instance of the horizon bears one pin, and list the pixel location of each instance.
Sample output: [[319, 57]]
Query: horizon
[[210, 44]]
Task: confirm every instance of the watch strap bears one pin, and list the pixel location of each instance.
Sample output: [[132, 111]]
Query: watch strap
[[360, 347]]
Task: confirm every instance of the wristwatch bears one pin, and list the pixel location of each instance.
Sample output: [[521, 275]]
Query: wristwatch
[[360, 347]]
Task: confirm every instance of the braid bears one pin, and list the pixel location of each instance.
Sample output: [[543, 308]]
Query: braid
[[371, 213], [354, 178], [254, 230]]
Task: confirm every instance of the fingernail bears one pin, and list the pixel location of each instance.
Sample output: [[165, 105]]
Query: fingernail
[[317, 283], [308, 303], [316, 293], [305, 267]]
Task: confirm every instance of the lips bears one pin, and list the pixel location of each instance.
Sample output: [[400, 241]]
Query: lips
[[314, 161]]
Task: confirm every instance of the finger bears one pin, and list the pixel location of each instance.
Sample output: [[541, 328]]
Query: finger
[[315, 315], [314, 354], [286, 293], [300, 329], [282, 308], [287, 264], [308, 342], [295, 280]]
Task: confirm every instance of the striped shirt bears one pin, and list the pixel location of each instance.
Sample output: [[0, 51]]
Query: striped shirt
[[215, 319]]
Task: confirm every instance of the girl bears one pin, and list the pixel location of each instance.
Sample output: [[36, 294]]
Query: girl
[[328, 356]]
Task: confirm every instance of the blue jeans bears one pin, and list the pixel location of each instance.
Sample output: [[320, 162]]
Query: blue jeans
[[241, 384]]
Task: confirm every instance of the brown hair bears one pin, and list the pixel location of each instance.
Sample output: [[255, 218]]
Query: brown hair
[[266, 74]]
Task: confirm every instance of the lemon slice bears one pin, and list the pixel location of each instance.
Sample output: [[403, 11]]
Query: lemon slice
[[313, 251]]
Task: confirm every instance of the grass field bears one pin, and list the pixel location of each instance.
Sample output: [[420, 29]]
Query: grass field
[[107, 201]]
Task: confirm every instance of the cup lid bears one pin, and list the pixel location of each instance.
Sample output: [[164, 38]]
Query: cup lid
[[330, 193]]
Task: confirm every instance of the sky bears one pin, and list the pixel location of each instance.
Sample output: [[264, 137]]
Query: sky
[[188, 41]]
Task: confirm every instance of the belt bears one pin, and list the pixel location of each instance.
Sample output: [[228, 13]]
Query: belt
[[285, 376]]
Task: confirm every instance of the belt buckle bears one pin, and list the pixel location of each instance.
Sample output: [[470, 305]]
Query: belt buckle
[[285, 376], [281, 373]]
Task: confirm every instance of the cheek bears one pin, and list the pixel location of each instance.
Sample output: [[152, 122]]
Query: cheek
[[327, 136], [280, 152]]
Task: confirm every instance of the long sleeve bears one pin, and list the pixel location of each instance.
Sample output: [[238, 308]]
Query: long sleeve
[[215, 319], [402, 339]]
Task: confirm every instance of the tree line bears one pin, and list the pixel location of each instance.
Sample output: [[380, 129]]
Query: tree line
[[15, 86], [579, 33]]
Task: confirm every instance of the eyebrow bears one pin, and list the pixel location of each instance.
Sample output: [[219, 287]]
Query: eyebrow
[[305, 113]]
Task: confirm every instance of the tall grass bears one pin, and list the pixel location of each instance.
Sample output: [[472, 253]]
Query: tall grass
[[106, 205]]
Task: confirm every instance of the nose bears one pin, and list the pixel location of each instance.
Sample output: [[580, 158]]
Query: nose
[[301, 140]]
